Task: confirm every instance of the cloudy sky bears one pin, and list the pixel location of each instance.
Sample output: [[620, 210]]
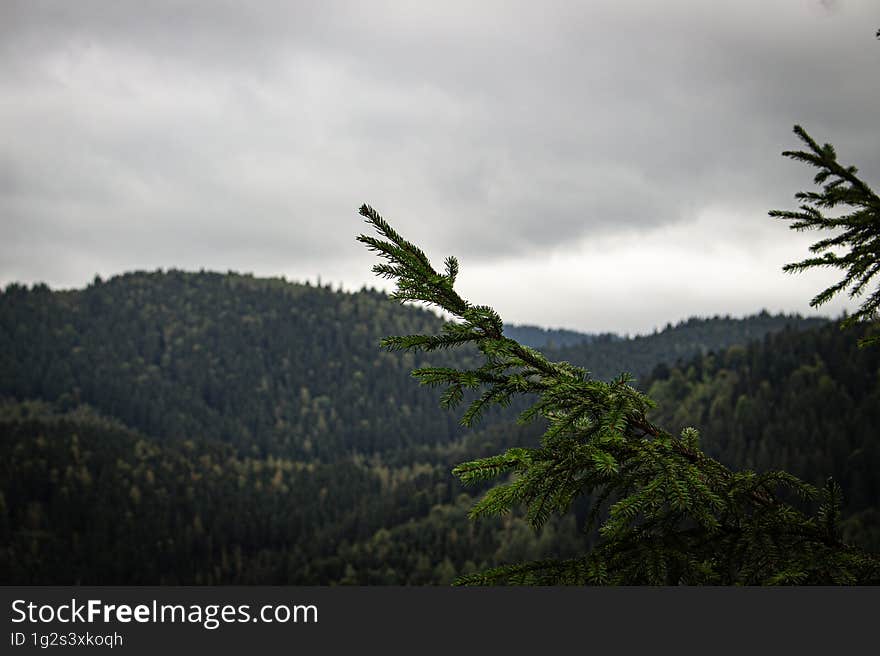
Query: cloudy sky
[[594, 165]]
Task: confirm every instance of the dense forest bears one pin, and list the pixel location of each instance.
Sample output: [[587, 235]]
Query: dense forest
[[175, 427], [806, 402]]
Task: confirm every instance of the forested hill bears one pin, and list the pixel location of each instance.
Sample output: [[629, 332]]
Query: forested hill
[[806, 402], [262, 364], [267, 365], [217, 428], [607, 356]]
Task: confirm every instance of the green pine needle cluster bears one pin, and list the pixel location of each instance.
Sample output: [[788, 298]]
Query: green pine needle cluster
[[666, 513], [856, 224]]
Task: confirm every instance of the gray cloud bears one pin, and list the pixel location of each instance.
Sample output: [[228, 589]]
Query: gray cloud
[[244, 136]]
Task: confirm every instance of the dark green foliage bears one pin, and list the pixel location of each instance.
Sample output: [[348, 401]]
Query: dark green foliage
[[674, 514], [856, 224], [88, 501], [806, 402]]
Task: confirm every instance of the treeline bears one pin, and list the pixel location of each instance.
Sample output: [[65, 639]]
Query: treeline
[[608, 355]]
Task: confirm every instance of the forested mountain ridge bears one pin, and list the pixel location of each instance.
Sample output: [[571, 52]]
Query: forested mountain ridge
[[264, 364], [219, 428], [267, 365], [605, 357]]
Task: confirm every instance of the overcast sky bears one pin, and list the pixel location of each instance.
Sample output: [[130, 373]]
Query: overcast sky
[[594, 165]]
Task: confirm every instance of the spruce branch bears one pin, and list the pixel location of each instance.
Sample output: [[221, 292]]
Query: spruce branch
[[858, 225]]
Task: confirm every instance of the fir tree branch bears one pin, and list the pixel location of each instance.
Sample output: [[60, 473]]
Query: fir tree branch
[[860, 225]]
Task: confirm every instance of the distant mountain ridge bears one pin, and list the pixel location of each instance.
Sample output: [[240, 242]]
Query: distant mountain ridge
[[538, 337], [606, 357]]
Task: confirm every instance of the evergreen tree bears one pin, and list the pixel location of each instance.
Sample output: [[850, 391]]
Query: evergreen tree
[[667, 513], [858, 223]]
